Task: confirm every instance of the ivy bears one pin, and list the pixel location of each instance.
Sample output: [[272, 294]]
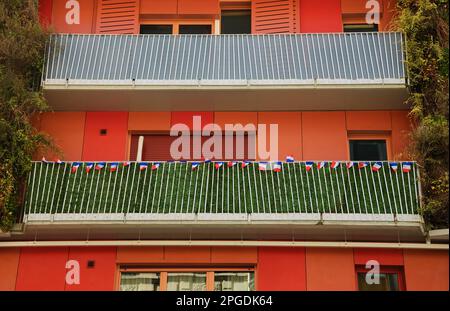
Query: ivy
[[425, 24], [22, 45]]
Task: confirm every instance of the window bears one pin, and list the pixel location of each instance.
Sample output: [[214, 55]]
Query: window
[[390, 279], [136, 281], [194, 29], [156, 29], [234, 281], [360, 27], [186, 279], [176, 27], [235, 22], [368, 150]]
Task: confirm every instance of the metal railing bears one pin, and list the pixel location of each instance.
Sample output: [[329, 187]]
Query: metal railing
[[177, 191], [309, 59]]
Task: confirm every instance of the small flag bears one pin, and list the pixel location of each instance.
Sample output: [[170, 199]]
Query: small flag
[[290, 159], [376, 166], [335, 164], [394, 166], [262, 166], [127, 163], [321, 164], [100, 165], [58, 161], [406, 167], [231, 163], [143, 166], [207, 161], [309, 166], [75, 166], [245, 164], [195, 165], [362, 164], [113, 167], [218, 165], [277, 167], [155, 166], [89, 166], [45, 160], [349, 164]]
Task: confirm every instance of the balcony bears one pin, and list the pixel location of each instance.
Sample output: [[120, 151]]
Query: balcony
[[207, 72], [174, 198]]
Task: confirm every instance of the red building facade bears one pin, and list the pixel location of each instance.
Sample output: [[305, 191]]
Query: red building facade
[[332, 82]]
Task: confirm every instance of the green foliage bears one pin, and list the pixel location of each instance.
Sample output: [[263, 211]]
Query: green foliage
[[22, 44], [425, 24]]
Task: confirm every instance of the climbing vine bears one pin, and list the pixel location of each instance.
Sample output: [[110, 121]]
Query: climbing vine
[[22, 44], [425, 25]]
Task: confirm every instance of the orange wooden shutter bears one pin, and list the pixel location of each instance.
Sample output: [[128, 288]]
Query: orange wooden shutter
[[118, 16], [275, 16]]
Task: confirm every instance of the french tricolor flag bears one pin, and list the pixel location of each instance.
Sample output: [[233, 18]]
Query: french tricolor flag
[[195, 165], [349, 164], [309, 166], [362, 164], [231, 163], [376, 166], [262, 166], [335, 164], [45, 160], [290, 159], [321, 164], [394, 166], [100, 165], [113, 166], [245, 164], [75, 166], [58, 161], [406, 167], [218, 165], [89, 167], [155, 166], [143, 166], [127, 163], [277, 167]]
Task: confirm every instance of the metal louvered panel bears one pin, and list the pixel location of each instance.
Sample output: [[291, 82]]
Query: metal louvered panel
[[118, 16], [272, 16], [283, 59]]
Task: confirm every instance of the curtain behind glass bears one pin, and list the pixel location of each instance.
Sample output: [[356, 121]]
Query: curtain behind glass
[[186, 281], [234, 281], [131, 281]]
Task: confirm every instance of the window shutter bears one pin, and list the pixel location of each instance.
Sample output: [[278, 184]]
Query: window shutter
[[118, 17], [275, 16]]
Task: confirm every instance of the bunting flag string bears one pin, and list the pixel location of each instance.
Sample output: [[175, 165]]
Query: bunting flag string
[[262, 166], [309, 166], [376, 166], [75, 166], [362, 165], [245, 164], [290, 159], [335, 164], [350, 164], [113, 166], [100, 165], [155, 166], [321, 164], [394, 167], [277, 167], [218, 165], [89, 167], [143, 166], [406, 167], [194, 165]]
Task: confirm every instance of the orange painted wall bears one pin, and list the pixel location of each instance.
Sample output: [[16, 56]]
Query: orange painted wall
[[368, 120], [67, 131], [281, 268], [244, 118], [386, 257], [110, 147], [387, 16], [59, 12], [45, 12], [101, 276], [315, 18], [329, 269], [42, 268], [9, 262], [289, 132], [324, 136], [426, 270], [401, 127], [186, 117], [149, 121], [158, 7], [210, 7]]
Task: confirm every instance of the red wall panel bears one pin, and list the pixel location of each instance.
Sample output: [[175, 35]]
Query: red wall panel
[[386, 257], [281, 268], [109, 147], [324, 136], [99, 277], [9, 262], [401, 128], [45, 12], [210, 7], [158, 7], [86, 14], [320, 17], [42, 268]]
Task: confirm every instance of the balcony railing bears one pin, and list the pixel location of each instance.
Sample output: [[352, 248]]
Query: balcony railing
[[292, 59], [177, 192]]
